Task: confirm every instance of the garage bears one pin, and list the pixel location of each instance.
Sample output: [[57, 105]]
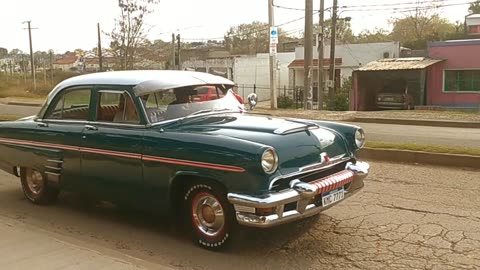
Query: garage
[[393, 83]]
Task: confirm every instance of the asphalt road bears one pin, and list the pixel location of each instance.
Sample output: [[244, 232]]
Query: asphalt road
[[406, 217], [461, 137], [445, 136], [20, 111]]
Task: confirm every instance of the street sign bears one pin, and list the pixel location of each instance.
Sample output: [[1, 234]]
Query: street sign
[[273, 35], [273, 49]]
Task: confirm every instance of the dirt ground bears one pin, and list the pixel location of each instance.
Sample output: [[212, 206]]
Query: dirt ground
[[406, 217]]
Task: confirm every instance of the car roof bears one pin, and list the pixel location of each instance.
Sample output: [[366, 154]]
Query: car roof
[[144, 81]]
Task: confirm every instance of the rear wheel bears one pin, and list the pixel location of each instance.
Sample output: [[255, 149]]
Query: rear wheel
[[210, 215], [35, 187]]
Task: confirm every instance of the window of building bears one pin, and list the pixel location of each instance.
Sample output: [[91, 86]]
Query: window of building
[[462, 81]]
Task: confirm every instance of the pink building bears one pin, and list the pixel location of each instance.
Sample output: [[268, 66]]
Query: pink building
[[454, 82]]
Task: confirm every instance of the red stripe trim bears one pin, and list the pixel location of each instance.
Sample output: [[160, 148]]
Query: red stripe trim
[[127, 155], [111, 153], [194, 164]]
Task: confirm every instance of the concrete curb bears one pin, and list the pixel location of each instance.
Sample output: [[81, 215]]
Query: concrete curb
[[450, 160], [23, 104], [432, 123]]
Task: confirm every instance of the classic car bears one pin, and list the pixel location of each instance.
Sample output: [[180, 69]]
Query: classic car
[[138, 138], [395, 96], [205, 93]]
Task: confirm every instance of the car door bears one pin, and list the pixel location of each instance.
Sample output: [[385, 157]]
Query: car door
[[112, 146], [60, 130]]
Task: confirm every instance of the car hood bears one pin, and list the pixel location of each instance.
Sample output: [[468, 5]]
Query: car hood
[[298, 143]]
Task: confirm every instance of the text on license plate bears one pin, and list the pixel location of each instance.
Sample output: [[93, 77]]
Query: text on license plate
[[333, 196]]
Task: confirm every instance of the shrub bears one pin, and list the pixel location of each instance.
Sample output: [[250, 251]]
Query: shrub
[[342, 95], [285, 102]]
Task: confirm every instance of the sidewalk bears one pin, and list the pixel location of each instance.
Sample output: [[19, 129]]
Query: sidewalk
[[413, 117], [34, 102], [26, 247], [405, 117]]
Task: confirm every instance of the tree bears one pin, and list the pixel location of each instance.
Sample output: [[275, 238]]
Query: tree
[[343, 33], [475, 7], [129, 31], [251, 38], [377, 35], [415, 31], [3, 52]]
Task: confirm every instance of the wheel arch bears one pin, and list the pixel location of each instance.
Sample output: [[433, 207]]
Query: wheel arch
[[180, 183]]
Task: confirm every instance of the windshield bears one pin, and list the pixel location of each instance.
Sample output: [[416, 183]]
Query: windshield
[[176, 103]]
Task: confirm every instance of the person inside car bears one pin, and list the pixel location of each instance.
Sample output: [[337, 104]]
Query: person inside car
[[179, 106]]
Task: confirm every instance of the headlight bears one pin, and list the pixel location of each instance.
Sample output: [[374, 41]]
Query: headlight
[[269, 161], [360, 138]]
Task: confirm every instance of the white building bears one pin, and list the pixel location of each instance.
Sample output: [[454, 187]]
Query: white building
[[255, 70], [348, 57]]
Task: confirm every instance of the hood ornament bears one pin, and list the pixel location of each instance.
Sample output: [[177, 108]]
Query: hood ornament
[[324, 158]]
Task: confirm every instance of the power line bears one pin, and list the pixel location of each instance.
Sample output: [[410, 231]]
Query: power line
[[348, 9], [403, 9]]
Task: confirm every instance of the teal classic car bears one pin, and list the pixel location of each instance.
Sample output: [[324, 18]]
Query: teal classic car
[[138, 137]]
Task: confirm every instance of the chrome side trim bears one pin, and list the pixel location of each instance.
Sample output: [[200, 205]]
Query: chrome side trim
[[293, 129], [55, 161], [311, 168], [53, 168]]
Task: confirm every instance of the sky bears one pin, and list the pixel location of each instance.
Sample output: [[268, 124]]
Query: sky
[[65, 25]]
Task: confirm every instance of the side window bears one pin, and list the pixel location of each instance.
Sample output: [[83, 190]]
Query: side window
[[72, 105], [116, 107]]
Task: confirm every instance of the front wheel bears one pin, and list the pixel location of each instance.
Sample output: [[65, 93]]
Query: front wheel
[[210, 215], [35, 187]]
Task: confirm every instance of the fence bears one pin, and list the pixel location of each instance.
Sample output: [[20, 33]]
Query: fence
[[287, 96]]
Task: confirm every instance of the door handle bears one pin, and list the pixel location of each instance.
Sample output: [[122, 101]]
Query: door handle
[[89, 127], [41, 124]]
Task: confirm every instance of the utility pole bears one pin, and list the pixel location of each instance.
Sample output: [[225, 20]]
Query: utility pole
[[50, 52], [320, 55], [331, 91], [273, 57], [173, 52], [32, 63], [100, 60], [308, 56], [178, 53]]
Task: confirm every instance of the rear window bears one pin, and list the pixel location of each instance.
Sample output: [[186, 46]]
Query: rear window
[[202, 91]]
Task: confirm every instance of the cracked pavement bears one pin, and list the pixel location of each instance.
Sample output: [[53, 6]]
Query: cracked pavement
[[406, 217]]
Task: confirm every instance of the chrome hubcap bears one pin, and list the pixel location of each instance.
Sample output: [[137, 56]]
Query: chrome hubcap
[[208, 215], [34, 181]]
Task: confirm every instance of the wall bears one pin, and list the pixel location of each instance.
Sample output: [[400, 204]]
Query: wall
[[458, 55], [354, 55], [250, 70]]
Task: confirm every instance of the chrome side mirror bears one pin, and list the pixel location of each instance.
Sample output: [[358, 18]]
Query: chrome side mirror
[[252, 100]]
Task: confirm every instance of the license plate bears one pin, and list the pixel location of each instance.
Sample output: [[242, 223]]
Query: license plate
[[333, 196], [388, 99]]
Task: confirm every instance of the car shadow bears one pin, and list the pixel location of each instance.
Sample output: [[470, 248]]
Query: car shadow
[[80, 207]]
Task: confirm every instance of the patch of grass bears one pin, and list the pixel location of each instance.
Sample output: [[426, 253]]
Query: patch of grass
[[9, 117], [425, 148], [18, 86]]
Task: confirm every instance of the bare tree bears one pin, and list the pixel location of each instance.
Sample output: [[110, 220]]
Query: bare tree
[[130, 30]]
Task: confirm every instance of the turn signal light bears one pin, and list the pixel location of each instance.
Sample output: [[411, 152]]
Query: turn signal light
[[265, 211]]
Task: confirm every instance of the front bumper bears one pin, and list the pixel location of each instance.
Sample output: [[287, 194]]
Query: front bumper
[[299, 193]]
